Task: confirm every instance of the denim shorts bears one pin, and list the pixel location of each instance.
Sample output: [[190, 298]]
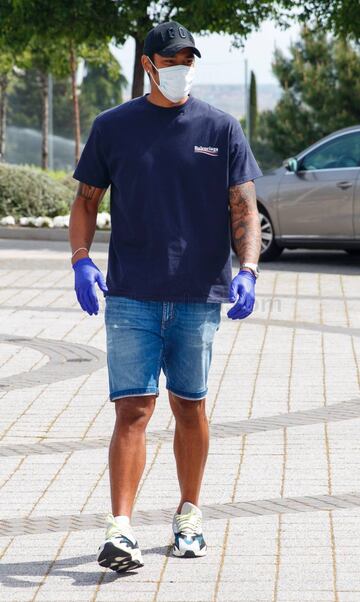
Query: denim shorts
[[144, 336]]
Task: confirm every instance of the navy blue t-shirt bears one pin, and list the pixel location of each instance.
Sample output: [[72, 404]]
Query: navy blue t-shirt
[[169, 170]]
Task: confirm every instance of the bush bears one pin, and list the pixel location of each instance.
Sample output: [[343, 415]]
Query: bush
[[70, 182], [25, 191]]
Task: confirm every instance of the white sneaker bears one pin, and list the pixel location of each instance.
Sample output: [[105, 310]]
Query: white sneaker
[[120, 551], [187, 527]]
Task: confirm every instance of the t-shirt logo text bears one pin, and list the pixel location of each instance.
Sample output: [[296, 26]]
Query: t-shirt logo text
[[213, 151]]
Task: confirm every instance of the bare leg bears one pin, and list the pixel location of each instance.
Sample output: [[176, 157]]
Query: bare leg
[[127, 452], [191, 444]]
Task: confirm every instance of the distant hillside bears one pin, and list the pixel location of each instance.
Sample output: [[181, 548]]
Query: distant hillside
[[230, 98]]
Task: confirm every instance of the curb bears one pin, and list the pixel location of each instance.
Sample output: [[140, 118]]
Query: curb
[[26, 233]]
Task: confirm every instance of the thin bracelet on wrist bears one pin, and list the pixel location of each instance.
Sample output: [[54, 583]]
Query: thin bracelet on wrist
[[79, 249]]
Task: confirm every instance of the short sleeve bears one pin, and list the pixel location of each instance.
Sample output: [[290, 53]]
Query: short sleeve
[[242, 164], [92, 168]]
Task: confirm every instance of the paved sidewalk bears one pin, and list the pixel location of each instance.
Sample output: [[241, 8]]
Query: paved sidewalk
[[281, 491]]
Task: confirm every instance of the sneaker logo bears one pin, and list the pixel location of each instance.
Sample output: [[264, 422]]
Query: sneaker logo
[[127, 541], [212, 151]]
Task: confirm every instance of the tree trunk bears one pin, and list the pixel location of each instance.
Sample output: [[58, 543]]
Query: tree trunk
[[73, 66], [138, 75], [44, 120], [3, 106]]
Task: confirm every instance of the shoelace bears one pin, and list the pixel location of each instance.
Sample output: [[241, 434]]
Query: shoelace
[[114, 529], [189, 522]]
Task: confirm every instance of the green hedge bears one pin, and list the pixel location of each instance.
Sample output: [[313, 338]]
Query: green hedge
[[25, 191], [29, 191]]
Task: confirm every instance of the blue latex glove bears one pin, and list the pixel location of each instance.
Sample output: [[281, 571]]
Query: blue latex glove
[[86, 274], [243, 285]]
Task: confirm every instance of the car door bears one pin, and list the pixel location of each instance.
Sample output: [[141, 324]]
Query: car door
[[317, 201], [357, 209]]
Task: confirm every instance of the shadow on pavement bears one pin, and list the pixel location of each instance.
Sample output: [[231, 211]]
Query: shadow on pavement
[[11, 573], [314, 260]]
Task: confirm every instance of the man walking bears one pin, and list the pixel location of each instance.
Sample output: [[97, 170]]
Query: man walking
[[181, 175]]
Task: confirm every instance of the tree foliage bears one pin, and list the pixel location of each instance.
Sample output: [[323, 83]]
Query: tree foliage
[[252, 107], [101, 88], [87, 21], [321, 92], [340, 17]]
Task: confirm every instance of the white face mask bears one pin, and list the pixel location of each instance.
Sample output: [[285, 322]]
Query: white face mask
[[175, 82]]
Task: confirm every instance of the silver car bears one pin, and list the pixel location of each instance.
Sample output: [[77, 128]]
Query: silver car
[[313, 200]]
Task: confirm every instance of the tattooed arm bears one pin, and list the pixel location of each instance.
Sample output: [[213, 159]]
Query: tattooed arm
[[245, 222], [82, 223]]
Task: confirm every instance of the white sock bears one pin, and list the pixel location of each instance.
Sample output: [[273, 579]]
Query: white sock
[[123, 522], [121, 519]]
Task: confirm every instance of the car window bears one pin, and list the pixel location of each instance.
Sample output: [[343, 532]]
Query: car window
[[343, 151]]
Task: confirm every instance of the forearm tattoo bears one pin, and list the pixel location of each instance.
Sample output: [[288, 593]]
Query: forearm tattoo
[[245, 222]]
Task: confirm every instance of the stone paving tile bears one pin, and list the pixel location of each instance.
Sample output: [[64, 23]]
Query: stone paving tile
[[298, 352]]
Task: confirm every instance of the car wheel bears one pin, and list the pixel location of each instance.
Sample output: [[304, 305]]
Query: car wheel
[[353, 251], [269, 249]]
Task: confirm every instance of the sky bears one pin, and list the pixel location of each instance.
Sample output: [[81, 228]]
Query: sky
[[221, 64]]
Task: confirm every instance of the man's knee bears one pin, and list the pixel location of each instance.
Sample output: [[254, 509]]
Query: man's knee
[[187, 410], [134, 410]]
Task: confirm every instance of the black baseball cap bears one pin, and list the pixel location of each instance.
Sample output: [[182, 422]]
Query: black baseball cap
[[168, 38]]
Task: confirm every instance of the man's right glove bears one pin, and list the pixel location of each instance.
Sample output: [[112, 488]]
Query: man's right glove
[[86, 274]]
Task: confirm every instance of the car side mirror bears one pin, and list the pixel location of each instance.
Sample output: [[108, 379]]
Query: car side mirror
[[291, 164]]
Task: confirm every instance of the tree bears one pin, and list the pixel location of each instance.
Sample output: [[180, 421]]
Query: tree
[[236, 17], [44, 60], [24, 100], [6, 70], [137, 17], [102, 86], [253, 107], [71, 24], [340, 17], [321, 92]]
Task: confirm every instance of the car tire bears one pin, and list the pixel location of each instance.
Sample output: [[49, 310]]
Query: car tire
[[353, 251], [269, 249]]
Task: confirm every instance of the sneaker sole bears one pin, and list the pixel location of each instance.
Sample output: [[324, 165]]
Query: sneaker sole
[[188, 553], [118, 560]]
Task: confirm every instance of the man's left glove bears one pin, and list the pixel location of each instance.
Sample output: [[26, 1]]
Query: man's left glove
[[243, 285], [86, 274]]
